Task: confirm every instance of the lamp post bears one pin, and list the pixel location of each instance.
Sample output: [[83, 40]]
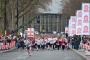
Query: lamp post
[[5, 21], [23, 24], [17, 15]]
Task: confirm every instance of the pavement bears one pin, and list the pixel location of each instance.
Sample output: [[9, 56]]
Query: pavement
[[41, 55], [82, 53]]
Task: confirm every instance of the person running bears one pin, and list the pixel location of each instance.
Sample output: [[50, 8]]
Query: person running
[[48, 43], [63, 43], [38, 42], [43, 43], [52, 42], [28, 46], [33, 44], [60, 42], [22, 43], [57, 44]]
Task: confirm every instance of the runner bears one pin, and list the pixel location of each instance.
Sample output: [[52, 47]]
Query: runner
[[28, 46], [57, 44], [43, 43], [52, 42], [38, 42], [48, 43], [63, 43]]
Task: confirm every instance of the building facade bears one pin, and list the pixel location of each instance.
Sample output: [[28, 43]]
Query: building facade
[[48, 22]]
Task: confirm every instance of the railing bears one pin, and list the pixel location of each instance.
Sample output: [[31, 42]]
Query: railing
[[6, 46]]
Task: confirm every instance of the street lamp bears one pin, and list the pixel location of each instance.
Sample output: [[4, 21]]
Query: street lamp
[[5, 21], [17, 15]]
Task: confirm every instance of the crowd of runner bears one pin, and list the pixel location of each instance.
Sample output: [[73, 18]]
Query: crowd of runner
[[44, 42], [41, 42]]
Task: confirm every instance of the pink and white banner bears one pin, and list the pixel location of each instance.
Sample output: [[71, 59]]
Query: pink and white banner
[[30, 32], [79, 22], [66, 30], [72, 26], [86, 19], [73, 18]]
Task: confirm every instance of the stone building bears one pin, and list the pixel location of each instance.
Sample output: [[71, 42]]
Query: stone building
[[48, 22]]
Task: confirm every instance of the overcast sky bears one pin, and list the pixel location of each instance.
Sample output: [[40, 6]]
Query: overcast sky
[[54, 7]]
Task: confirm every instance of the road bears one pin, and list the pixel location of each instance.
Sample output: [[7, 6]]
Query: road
[[40, 55]]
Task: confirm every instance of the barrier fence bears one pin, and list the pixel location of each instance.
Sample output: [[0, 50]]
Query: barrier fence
[[86, 47], [6, 46]]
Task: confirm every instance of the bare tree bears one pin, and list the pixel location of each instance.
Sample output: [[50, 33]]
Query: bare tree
[[26, 9], [70, 7]]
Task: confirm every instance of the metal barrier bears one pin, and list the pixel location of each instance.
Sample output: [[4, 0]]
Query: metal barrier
[[7, 45]]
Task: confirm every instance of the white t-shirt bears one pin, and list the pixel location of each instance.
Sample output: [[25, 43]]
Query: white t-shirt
[[49, 39], [38, 42], [55, 39], [46, 40], [52, 41], [66, 40], [27, 43], [43, 42]]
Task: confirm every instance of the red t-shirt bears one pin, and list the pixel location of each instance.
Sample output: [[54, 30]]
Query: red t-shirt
[[63, 42]]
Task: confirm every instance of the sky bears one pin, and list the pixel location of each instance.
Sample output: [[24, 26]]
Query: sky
[[53, 7]]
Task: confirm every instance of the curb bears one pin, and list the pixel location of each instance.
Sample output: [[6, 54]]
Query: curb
[[84, 57], [8, 50]]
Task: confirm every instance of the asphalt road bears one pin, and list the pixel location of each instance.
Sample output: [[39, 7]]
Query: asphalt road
[[40, 55]]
